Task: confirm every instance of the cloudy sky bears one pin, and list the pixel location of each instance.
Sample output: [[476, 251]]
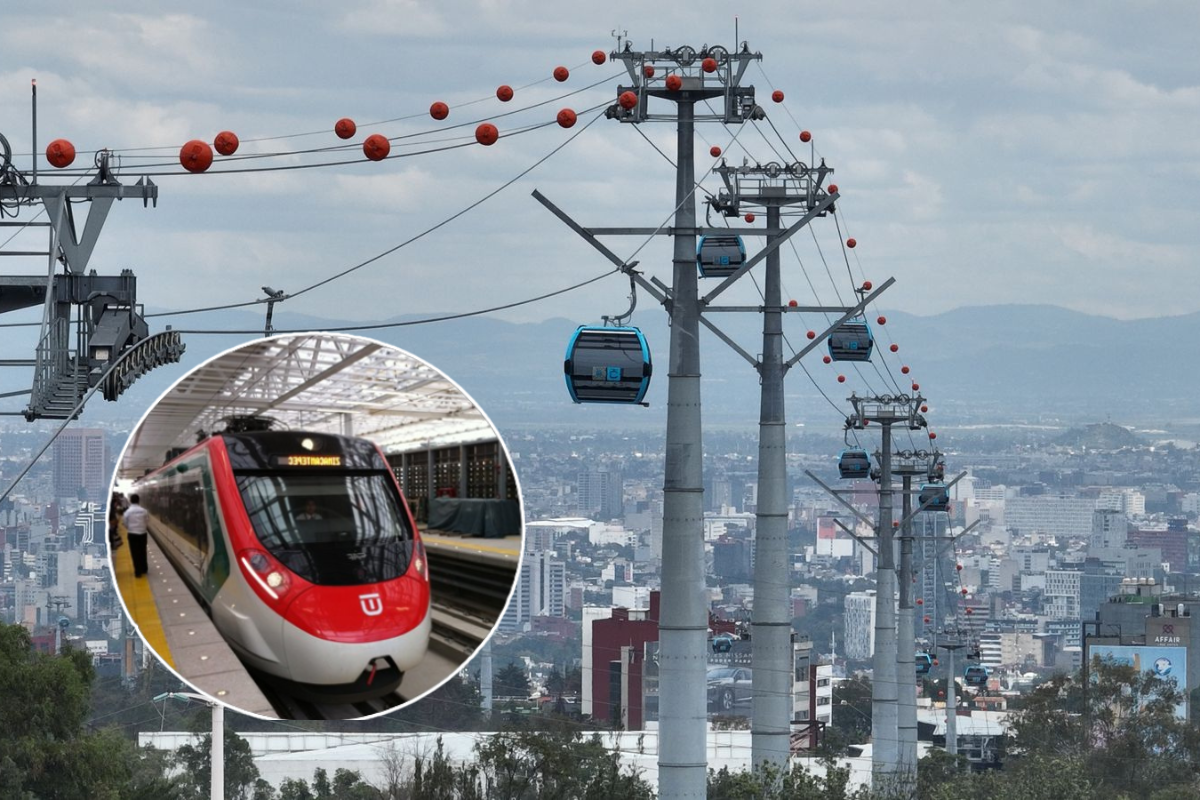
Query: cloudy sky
[[1023, 152]]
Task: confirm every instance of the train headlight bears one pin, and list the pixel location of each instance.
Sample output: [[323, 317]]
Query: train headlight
[[264, 571], [419, 563]]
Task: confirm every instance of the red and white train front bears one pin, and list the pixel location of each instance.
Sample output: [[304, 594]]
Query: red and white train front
[[315, 571]]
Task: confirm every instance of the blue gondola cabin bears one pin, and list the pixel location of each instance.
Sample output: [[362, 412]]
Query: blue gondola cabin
[[851, 341], [720, 256], [607, 365]]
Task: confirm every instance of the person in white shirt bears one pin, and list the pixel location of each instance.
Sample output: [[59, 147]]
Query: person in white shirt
[[136, 520]]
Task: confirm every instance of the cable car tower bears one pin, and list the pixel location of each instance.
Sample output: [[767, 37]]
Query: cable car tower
[[907, 464], [92, 330], [706, 85]]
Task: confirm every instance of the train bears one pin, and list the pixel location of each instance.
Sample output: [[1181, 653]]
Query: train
[[305, 553]]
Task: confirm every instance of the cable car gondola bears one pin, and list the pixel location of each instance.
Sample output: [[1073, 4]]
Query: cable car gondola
[[851, 341], [935, 497], [854, 463], [975, 675], [607, 365], [924, 663], [719, 256]]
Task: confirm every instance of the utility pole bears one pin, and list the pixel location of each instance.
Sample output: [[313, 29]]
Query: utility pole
[[274, 296], [216, 788]]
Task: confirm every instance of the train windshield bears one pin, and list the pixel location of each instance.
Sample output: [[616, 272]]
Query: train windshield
[[335, 529]]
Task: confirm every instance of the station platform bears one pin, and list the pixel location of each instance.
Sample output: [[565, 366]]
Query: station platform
[[175, 626], [500, 551]]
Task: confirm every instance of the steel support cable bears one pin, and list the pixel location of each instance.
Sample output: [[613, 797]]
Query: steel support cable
[[463, 314], [803, 270], [455, 216], [403, 137], [393, 249], [416, 115], [323, 164], [423, 321]]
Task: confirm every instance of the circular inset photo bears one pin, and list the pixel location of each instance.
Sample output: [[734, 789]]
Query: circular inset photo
[[315, 526]]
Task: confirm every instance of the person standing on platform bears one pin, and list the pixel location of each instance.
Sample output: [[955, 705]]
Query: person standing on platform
[[115, 507], [135, 529]]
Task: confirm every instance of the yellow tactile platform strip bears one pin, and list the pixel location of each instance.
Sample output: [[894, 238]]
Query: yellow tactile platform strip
[[181, 633]]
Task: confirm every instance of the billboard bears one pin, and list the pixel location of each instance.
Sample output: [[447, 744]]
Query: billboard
[[1167, 663]]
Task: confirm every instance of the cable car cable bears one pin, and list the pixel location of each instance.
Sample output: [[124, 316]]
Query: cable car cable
[[426, 320], [406, 242]]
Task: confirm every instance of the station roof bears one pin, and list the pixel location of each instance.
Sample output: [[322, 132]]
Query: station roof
[[325, 383]]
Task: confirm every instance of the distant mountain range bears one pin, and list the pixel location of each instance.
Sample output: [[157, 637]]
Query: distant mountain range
[[985, 364]]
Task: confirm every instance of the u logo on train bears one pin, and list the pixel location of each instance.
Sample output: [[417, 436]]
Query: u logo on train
[[303, 549]]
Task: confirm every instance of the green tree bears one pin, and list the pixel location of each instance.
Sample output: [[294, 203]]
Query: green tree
[[557, 764], [511, 681], [44, 749], [241, 773], [852, 709], [796, 783], [1120, 724]]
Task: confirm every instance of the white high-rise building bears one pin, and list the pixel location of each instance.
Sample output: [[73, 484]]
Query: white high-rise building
[[859, 634], [1062, 593], [541, 591]]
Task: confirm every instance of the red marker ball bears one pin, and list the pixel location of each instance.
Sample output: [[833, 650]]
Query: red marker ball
[[345, 128], [777, 96], [916, 387], [920, 602], [927, 620], [439, 110], [714, 151], [376, 147], [932, 435], [749, 218], [561, 74], [833, 188], [505, 93], [792, 304], [970, 611], [811, 334], [487, 134], [60, 153], [598, 57], [805, 136], [827, 359], [895, 348], [709, 65], [852, 243], [196, 156], [904, 370], [226, 143], [924, 409], [958, 567], [674, 83], [867, 286], [566, 118], [841, 378], [882, 320], [627, 100], [648, 70]]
